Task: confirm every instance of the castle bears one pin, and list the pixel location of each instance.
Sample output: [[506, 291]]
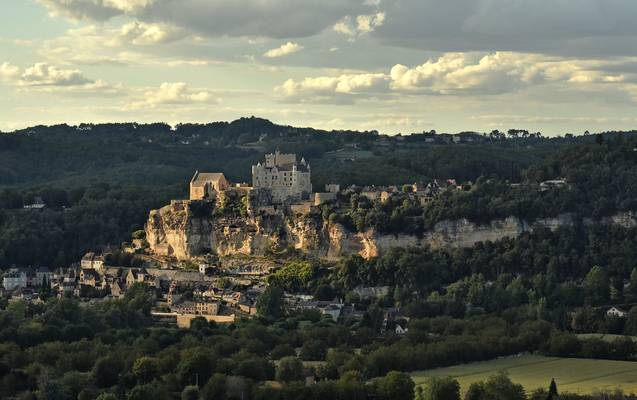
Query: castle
[[281, 177]]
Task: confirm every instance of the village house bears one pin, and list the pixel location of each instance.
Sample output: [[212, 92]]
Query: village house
[[117, 289], [247, 307], [43, 275], [197, 308], [65, 281], [552, 184], [300, 302], [14, 279], [140, 275], [616, 312], [25, 294], [331, 190], [37, 204], [90, 277], [92, 261]]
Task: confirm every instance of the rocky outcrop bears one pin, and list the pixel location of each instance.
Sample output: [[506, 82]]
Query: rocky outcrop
[[176, 230]]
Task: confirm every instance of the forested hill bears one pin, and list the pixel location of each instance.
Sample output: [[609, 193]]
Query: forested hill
[[126, 153], [99, 181]]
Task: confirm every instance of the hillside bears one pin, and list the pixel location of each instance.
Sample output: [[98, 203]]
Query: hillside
[[100, 181]]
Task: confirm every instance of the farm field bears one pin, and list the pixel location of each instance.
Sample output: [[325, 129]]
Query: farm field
[[533, 372], [605, 336]]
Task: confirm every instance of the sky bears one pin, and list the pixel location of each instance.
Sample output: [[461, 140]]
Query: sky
[[396, 66]]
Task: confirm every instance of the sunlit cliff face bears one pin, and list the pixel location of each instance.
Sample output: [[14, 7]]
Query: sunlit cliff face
[[391, 65]]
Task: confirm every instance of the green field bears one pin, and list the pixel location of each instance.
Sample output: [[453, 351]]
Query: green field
[[533, 372], [604, 336]]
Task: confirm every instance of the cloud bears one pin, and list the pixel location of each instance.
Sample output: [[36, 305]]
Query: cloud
[[543, 119], [565, 27], [43, 77], [140, 33], [360, 25], [43, 74], [100, 10], [170, 93], [8, 71], [460, 74], [273, 18], [132, 43], [314, 89], [283, 50]]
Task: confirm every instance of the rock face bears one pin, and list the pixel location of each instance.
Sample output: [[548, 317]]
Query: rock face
[[175, 230]]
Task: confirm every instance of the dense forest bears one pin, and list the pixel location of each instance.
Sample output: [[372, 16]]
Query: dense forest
[[99, 181], [110, 350]]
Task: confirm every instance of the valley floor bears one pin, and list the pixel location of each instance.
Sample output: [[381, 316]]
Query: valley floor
[[581, 376]]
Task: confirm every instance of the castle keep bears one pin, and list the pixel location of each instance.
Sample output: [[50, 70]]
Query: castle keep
[[284, 176], [281, 178]]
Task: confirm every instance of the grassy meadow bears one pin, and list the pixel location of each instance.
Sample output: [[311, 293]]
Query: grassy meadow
[[533, 372]]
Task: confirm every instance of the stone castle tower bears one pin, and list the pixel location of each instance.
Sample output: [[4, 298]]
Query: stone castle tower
[[283, 176]]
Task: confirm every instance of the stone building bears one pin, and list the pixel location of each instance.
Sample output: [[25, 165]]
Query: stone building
[[92, 261], [205, 185], [283, 176], [14, 279]]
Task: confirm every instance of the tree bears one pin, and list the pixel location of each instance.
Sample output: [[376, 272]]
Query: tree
[[313, 350], [631, 322], [106, 396], [352, 377], [149, 391], [145, 369], [195, 366], [394, 386], [282, 350], [190, 393], [597, 285], [500, 387], [599, 139], [290, 369], [215, 388], [563, 345], [553, 395], [497, 387], [270, 303], [106, 372], [475, 391], [632, 288], [324, 293], [437, 388]]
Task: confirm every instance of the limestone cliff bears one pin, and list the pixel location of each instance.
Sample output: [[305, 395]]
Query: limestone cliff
[[176, 230]]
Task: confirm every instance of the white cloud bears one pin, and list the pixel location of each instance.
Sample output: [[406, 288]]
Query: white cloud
[[43, 77], [140, 33], [133, 43], [361, 25], [8, 71], [459, 74], [343, 84], [43, 74], [171, 93], [283, 50]]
